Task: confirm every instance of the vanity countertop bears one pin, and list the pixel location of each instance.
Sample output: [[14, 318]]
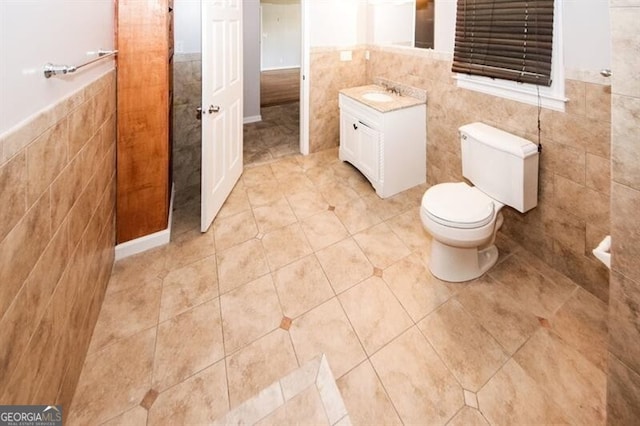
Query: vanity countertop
[[398, 102]]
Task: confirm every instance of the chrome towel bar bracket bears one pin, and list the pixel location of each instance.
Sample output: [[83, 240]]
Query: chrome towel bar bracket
[[51, 69]]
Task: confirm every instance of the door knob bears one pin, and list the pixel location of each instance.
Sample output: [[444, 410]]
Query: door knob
[[199, 113], [213, 108]]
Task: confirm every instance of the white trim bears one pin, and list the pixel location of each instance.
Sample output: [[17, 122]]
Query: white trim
[[550, 97], [147, 242], [252, 119], [305, 59]]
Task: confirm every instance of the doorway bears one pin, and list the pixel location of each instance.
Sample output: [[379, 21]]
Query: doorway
[[278, 130]]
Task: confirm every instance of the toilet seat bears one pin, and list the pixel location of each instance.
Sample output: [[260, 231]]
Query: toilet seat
[[458, 205]]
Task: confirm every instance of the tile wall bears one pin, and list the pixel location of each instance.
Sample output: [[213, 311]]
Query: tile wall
[[328, 75], [573, 211], [187, 152], [57, 237], [623, 393]]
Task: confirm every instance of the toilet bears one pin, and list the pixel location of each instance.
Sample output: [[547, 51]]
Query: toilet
[[463, 219]]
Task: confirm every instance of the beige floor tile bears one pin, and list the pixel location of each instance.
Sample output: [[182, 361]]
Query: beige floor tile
[[365, 398], [472, 355], [232, 230], [258, 365], [307, 203], [582, 323], [187, 343], [136, 270], [381, 245], [114, 380], [468, 416], [356, 216], [249, 312], [302, 286], [320, 175], [512, 397], [505, 319], [575, 385], [135, 417], [241, 264], [310, 332], [285, 167], [273, 216], [294, 183], [126, 313], [187, 287], [236, 202], [337, 193], [323, 229], [344, 264], [306, 407], [419, 385], [361, 185], [541, 296], [376, 315], [188, 248], [408, 227], [418, 291], [254, 176], [285, 245], [198, 400], [389, 207], [265, 193]]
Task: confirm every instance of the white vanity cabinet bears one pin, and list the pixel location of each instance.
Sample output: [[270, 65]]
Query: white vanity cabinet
[[389, 147]]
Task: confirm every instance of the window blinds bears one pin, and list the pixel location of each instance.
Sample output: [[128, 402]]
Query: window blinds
[[505, 39]]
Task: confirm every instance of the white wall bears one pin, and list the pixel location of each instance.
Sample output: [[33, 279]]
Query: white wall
[[187, 24], [391, 23], [587, 35], [337, 22], [251, 71], [36, 32], [281, 36]]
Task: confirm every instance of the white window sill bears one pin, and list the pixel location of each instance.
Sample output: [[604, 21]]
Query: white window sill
[[550, 97]]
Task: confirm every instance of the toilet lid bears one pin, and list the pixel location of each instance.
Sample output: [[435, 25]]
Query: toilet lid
[[458, 205]]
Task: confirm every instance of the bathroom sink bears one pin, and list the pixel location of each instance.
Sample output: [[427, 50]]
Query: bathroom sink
[[377, 97]]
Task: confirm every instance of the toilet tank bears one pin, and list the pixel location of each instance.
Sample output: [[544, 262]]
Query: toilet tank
[[502, 165]]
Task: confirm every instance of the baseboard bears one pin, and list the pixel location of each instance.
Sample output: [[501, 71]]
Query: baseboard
[[147, 242], [252, 119]]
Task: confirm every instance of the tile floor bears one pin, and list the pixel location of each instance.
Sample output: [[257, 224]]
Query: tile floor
[[304, 259], [276, 136]]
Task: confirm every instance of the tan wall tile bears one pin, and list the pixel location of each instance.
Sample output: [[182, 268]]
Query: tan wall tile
[[575, 91], [21, 249], [623, 394], [598, 174], [13, 193], [624, 315], [625, 230], [598, 102], [46, 157], [625, 148], [52, 287]]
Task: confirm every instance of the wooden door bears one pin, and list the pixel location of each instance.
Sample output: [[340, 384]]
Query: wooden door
[[222, 103]]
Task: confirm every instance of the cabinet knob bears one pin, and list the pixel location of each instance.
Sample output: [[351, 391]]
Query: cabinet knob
[[355, 126], [213, 108]]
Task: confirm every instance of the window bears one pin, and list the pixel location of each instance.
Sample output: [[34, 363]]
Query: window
[[512, 49]]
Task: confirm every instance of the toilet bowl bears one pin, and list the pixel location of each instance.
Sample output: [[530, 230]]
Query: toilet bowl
[[463, 223], [463, 219]]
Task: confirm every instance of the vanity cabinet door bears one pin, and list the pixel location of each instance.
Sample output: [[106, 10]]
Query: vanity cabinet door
[[369, 151], [348, 137]]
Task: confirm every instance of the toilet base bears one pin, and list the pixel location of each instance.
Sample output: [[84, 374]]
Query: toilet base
[[454, 264]]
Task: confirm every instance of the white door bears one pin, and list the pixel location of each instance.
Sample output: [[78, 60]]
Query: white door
[[221, 104]]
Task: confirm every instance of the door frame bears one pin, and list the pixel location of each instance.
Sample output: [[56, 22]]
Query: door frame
[[305, 58]]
